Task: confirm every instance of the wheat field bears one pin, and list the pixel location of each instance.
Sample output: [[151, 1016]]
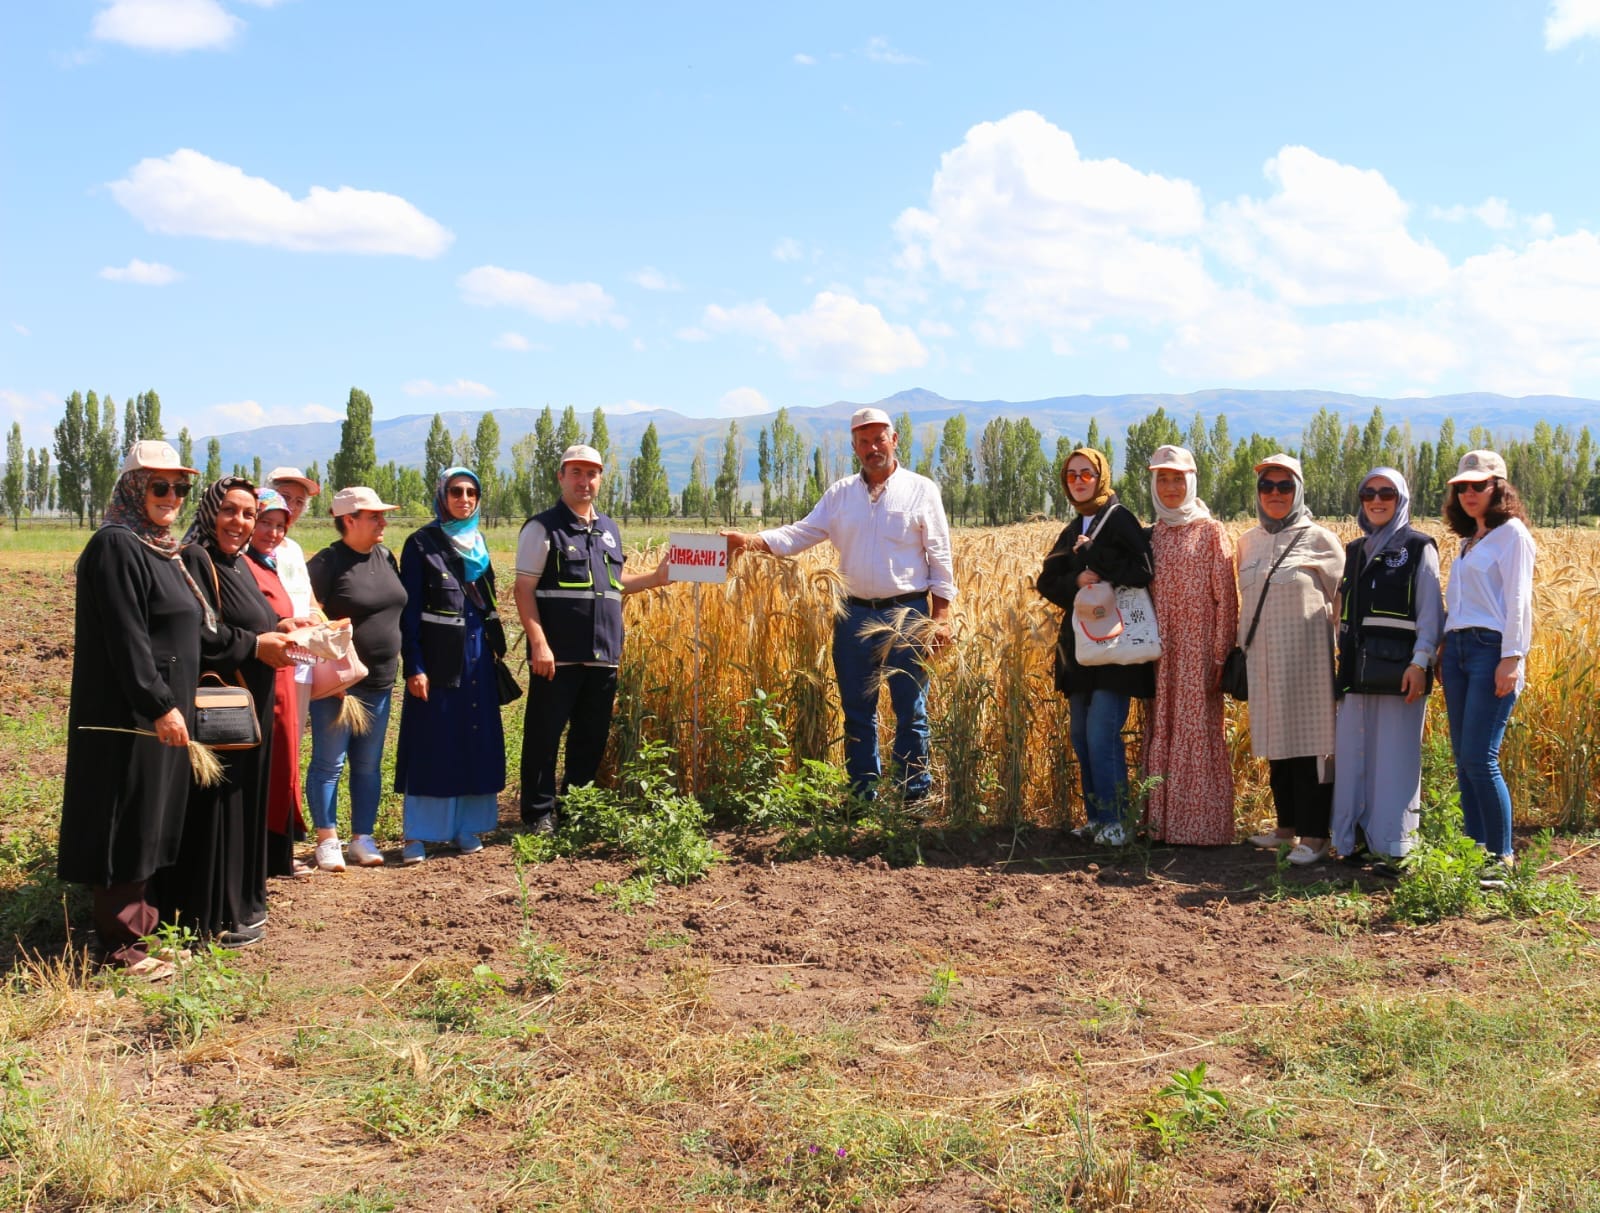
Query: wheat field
[[1001, 749]]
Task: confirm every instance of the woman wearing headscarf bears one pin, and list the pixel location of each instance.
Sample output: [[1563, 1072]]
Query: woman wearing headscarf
[[1105, 543], [284, 823], [218, 886], [451, 761], [135, 661], [1488, 632], [1197, 606], [1391, 615], [1297, 565]]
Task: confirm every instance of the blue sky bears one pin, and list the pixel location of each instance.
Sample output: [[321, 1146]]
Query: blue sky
[[719, 209]]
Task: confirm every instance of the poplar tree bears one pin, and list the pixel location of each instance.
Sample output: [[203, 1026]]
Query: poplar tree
[[130, 424], [436, 451], [546, 459], [486, 462], [600, 439], [16, 476], [213, 460], [72, 471], [727, 487], [357, 459], [953, 465], [185, 448], [150, 416], [648, 488], [103, 458]]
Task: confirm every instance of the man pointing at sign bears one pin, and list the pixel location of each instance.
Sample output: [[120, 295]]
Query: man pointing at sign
[[889, 528]]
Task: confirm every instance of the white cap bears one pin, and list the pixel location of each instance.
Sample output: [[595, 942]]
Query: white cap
[[1172, 458], [348, 501], [296, 476], [156, 455], [1281, 460], [869, 416], [580, 453], [1479, 465]]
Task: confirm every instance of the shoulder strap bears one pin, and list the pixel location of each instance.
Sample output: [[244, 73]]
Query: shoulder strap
[[1101, 520], [1267, 584]]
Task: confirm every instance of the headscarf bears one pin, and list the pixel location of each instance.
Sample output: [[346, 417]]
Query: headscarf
[[127, 510], [204, 526], [267, 500], [1297, 506], [1102, 491], [1377, 540], [462, 532], [1190, 509]]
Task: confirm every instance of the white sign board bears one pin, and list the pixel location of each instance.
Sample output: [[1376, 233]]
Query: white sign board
[[692, 556]]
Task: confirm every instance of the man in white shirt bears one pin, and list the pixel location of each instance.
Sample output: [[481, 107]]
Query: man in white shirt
[[889, 528], [297, 489]]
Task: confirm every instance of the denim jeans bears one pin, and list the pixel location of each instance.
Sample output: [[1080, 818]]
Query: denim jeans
[[861, 667], [1097, 721], [330, 743], [1477, 723]]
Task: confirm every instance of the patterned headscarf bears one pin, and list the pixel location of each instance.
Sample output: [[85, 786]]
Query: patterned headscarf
[[204, 526], [1297, 507], [267, 500], [463, 532], [1102, 491], [127, 510], [1377, 540]]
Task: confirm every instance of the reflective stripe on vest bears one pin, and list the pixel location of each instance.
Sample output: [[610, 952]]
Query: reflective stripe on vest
[[614, 595]]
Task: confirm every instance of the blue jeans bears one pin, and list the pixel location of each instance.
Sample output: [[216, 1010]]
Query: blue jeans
[[862, 666], [330, 743], [1477, 723], [1097, 721]]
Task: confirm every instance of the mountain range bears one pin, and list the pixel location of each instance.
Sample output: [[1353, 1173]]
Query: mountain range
[[1280, 414]]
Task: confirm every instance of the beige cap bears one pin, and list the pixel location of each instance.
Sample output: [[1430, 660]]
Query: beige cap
[[869, 416], [295, 475], [348, 501], [1477, 465], [1172, 458], [1281, 460], [579, 453], [156, 455]]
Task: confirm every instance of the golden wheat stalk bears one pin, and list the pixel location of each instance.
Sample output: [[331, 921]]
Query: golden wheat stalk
[[354, 715], [203, 762]]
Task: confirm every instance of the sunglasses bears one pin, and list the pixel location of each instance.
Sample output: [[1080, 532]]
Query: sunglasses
[[1378, 494], [1475, 486], [1267, 487], [179, 488], [1087, 474], [462, 490]]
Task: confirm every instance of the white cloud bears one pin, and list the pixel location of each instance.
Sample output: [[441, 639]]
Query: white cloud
[[1569, 20], [190, 194], [787, 249], [252, 414], [144, 273], [17, 404], [1331, 234], [166, 25], [1496, 215], [463, 389], [837, 334], [628, 406], [22, 329], [652, 279], [571, 302], [692, 333], [513, 341], [742, 402], [935, 329], [1052, 241], [879, 51], [804, 60]]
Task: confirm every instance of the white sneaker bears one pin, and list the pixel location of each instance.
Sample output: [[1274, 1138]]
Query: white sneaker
[[364, 852], [328, 855], [1113, 835]]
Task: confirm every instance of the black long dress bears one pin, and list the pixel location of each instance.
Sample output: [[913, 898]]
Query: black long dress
[[219, 881], [136, 656]]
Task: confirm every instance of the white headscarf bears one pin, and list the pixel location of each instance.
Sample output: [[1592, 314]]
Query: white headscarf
[[1191, 509]]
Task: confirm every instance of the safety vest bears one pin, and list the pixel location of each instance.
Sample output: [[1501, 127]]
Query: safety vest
[[1378, 598], [580, 591]]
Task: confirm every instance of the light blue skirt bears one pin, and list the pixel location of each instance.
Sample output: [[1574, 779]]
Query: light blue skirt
[[446, 818]]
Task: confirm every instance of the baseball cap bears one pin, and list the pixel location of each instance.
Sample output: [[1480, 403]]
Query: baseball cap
[[579, 453], [1172, 458], [270, 499], [1281, 460], [296, 475], [348, 501], [869, 416], [1475, 465], [156, 455]]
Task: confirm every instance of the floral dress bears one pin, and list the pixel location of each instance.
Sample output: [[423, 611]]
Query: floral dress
[[1197, 607]]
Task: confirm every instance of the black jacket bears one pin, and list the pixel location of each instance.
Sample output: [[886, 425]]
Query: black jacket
[[1120, 554]]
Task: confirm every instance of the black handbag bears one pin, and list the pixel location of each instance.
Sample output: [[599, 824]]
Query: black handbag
[[1235, 669], [505, 682], [1381, 662], [225, 716]]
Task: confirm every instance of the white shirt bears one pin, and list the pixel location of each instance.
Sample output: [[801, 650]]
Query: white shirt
[[291, 561], [1491, 586], [898, 544]]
